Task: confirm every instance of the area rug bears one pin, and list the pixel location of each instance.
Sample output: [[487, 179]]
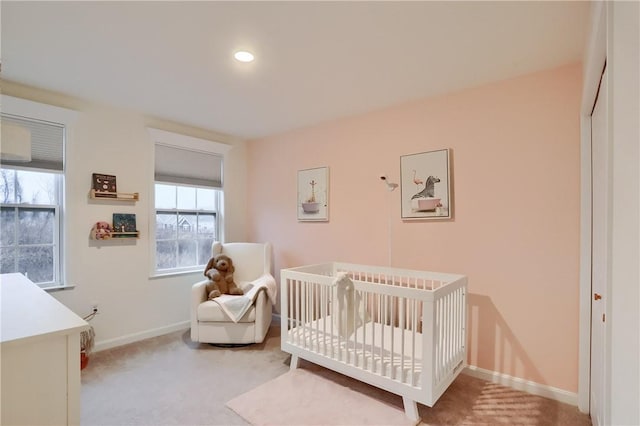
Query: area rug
[[303, 398]]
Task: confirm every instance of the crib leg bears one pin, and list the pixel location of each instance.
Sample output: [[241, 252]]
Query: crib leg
[[411, 409], [294, 362]]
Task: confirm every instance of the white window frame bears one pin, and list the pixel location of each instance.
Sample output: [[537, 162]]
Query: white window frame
[[44, 112], [216, 212], [177, 140], [58, 267]]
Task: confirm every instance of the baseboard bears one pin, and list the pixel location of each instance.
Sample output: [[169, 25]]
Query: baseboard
[[528, 386], [130, 338]]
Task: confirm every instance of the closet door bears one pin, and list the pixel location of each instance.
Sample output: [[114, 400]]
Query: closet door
[[600, 249]]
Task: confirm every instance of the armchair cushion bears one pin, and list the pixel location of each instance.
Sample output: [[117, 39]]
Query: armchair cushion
[[212, 311]]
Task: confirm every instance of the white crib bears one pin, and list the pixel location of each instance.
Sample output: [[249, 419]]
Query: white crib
[[400, 330]]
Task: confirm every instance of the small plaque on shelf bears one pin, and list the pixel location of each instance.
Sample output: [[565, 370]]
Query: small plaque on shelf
[[124, 222], [104, 185]]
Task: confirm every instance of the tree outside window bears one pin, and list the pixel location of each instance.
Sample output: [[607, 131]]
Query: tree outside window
[[186, 226], [30, 223]]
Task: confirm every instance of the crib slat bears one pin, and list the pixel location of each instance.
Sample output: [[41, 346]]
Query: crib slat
[[297, 311], [294, 298], [392, 301], [402, 330], [380, 351], [303, 314], [314, 317], [333, 322], [325, 310], [450, 312], [438, 339], [292, 309], [413, 341]]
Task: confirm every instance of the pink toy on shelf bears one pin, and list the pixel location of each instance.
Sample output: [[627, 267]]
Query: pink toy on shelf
[[101, 231]]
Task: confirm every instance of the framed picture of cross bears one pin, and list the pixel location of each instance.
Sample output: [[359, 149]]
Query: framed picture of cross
[[313, 194]]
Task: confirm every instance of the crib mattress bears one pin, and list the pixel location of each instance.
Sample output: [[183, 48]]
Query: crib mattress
[[379, 348]]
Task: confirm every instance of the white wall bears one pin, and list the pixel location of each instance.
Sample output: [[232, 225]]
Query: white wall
[[624, 69], [115, 274]]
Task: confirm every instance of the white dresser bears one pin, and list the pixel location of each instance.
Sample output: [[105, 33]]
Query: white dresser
[[40, 356]]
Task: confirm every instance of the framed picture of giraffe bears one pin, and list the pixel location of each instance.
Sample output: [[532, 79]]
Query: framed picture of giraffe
[[425, 184], [313, 194]]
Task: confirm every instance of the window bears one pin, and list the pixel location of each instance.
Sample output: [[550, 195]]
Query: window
[[188, 195], [186, 226], [31, 200]]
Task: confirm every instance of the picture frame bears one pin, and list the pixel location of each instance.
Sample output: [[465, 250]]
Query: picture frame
[[425, 185], [104, 185], [313, 195], [124, 222]]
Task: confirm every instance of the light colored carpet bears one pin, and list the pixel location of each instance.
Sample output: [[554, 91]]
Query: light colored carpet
[[302, 397], [169, 380]]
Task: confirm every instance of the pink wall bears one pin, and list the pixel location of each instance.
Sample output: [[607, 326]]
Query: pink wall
[[515, 232]]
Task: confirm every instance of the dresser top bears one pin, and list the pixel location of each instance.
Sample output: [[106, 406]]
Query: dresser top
[[28, 312]]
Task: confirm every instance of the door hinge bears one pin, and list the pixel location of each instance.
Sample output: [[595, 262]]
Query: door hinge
[[603, 317]]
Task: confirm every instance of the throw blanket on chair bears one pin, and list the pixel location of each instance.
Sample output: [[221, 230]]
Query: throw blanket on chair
[[237, 306]]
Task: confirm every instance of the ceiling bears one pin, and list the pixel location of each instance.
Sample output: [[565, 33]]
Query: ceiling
[[315, 61]]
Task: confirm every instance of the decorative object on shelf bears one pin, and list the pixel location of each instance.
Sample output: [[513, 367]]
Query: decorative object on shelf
[[124, 225], [104, 186], [313, 194], [425, 183], [101, 231]]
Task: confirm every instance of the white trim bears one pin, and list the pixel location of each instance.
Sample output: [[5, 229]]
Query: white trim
[[135, 337], [528, 386], [166, 138], [596, 55], [162, 137], [66, 117]]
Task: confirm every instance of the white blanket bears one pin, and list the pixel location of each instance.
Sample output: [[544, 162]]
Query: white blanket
[[348, 307], [237, 306]]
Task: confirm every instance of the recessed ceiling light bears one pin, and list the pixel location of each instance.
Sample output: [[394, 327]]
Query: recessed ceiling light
[[243, 56]]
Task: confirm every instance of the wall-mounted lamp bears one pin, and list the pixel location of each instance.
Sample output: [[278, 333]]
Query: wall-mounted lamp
[[390, 185], [15, 143]]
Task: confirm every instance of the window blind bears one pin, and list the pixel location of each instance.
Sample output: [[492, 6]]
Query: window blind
[[188, 167], [47, 144]]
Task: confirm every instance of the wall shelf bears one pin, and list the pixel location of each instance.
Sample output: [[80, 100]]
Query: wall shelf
[[123, 226], [114, 196], [121, 235]]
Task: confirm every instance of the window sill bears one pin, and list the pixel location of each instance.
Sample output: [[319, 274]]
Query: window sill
[[55, 288], [174, 274]]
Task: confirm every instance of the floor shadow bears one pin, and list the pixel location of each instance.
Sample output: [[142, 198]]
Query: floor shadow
[[272, 338]]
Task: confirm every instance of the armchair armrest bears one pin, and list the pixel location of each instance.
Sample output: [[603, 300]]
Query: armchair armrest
[[269, 283], [198, 295], [263, 316]]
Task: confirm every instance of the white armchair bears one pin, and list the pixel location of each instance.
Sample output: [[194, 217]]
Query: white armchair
[[210, 323]]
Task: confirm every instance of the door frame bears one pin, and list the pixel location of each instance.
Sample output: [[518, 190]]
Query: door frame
[[595, 59]]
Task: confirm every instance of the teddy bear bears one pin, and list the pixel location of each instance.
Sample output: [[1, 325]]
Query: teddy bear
[[101, 231], [220, 271]]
